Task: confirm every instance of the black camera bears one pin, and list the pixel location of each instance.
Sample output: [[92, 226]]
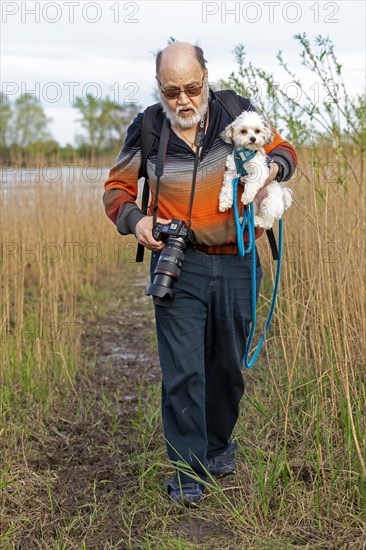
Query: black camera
[[168, 268], [176, 229]]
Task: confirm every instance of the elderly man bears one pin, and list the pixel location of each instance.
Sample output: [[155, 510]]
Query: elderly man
[[202, 331]]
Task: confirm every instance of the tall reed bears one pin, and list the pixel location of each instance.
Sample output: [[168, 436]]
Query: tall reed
[[57, 244]]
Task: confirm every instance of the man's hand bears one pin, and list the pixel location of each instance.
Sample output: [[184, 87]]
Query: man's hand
[[143, 233], [262, 193], [273, 171]]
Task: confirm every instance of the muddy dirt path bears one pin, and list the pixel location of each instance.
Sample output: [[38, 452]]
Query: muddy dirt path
[[83, 453]]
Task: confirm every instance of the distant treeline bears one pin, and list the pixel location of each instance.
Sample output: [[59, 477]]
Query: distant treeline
[[25, 135], [323, 114]]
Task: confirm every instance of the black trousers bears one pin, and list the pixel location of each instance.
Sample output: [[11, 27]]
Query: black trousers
[[202, 336]]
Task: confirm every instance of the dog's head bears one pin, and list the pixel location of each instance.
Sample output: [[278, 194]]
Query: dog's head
[[248, 130]]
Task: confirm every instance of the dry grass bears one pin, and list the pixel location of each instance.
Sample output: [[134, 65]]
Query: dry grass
[[56, 245], [302, 429], [321, 315]]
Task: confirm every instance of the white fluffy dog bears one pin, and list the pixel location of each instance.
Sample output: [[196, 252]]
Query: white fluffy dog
[[250, 132]]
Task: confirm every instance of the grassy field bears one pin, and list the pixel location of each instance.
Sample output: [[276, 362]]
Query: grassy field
[[82, 454]]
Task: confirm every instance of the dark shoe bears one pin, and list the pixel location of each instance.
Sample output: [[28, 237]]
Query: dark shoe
[[223, 464], [189, 494]]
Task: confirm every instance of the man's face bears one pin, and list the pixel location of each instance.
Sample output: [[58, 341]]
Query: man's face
[[184, 74]]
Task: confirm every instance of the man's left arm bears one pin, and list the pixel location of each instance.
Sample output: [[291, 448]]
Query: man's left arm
[[282, 166], [283, 159]]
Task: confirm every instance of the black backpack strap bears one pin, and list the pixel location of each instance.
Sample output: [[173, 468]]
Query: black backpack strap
[[147, 141], [140, 248], [147, 136], [230, 101], [272, 243]]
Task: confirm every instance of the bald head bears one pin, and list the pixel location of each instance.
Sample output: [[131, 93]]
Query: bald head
[[179, 55], [180, 68]]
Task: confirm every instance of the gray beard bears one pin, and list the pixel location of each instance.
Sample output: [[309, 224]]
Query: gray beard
[[192, 121]]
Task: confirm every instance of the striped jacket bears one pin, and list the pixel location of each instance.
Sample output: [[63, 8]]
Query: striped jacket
[[210, 226]]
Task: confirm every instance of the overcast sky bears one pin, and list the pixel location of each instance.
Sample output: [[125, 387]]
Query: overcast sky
[[66, 49]]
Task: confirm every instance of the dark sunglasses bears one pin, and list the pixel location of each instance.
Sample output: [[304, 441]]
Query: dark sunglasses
[[174, 93]]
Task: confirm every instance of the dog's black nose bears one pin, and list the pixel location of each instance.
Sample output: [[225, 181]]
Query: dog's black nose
[[252, 139]]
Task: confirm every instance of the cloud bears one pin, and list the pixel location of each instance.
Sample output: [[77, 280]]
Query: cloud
[[116, 52]]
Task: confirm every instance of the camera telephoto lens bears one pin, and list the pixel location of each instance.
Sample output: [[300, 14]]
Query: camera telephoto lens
[[167, 270]]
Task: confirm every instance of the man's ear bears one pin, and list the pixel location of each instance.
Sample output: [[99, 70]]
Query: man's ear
[[227, 134]]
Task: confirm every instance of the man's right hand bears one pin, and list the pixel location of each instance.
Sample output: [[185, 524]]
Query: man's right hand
[[143, 232]]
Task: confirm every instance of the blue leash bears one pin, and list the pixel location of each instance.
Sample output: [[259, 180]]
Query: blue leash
[[248, 219]]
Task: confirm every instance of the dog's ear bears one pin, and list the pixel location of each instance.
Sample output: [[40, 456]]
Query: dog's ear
[[268, 132], [228, 134]]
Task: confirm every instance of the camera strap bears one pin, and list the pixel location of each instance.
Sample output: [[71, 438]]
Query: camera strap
[[159, 168], [200, 136]]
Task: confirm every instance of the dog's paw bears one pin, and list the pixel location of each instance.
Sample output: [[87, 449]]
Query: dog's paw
[[247, 197], [287, 197], [225, 198], [264, 223], [225, 202], [258, 221]]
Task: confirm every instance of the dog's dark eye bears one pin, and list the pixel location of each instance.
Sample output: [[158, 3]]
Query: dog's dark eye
[[244, 132], [257, 131]]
